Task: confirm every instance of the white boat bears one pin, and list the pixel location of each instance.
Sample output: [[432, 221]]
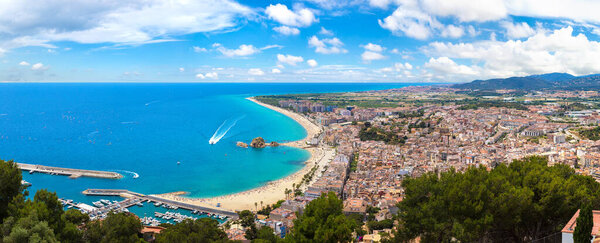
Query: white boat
[[158, 204], [25, 183]]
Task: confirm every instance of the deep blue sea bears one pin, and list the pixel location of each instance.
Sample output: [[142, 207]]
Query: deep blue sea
[[146, 129]]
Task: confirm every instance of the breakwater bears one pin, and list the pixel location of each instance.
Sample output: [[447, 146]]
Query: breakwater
[[71, 173]]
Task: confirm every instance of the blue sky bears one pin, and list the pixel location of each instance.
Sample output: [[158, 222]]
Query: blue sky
[[295, 41]]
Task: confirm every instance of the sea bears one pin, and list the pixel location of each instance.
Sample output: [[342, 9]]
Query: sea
[[157, 132]]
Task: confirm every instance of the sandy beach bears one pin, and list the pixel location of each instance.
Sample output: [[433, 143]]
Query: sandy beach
[[274, 190]]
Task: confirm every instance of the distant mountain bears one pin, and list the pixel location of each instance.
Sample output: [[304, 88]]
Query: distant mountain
[[536, 82], [554, 77], [520, 83]]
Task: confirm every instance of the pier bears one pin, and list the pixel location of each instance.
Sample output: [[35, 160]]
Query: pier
[[71, 173], [138, 197], [191, 207]]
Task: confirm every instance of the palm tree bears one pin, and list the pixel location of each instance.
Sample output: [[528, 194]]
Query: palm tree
[[261, 204], [255, 206]]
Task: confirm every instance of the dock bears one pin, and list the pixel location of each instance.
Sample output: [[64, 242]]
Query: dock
[[71, 173], [191, 207], [141, 197], [112, 192]]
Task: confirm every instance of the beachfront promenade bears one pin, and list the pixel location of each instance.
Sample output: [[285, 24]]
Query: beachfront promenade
[[72, 173], [151, 198]]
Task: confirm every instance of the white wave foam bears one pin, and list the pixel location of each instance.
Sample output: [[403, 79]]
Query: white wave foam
[[221, 132]]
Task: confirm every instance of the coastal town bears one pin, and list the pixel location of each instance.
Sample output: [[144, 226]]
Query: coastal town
[[377, 147]]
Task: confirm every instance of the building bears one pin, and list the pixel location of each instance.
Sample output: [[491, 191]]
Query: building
[[567, 231], [355, 205], [150, 232]]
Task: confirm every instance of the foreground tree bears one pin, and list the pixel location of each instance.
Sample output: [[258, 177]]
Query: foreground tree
[[28, 229], [584, 225], [524, 201], [10, 185], [322, 221], [116, 227], [200, 231]]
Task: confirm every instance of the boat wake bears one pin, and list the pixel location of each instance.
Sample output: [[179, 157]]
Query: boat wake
[[222, 130], [134, 175], [151, 102]]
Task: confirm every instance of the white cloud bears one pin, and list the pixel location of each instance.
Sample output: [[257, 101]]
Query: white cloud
[[243, 50], [275, 70], [372, 52], [256, 72], [270, 47], [395, 51], [491, 10], [419, 18], [122, 22], [369, 56], [410, 21], [302, 17], [324, 31], [517, 30], [472, 32], [373, 47], [181, 69], [467, 10], [38, 66], [335, 4], [380, 3], [24, 63], [199, 49], [556, 51], [447, 66], [399, 66], [211, 75], [327, 46], [289, 59], [312, 63], [453, 31], [284, 30]]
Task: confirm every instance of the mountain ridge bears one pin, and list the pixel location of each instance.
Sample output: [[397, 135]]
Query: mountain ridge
[[548, 81]]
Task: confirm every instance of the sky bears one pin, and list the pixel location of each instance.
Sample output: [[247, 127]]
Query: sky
[[412, 41]]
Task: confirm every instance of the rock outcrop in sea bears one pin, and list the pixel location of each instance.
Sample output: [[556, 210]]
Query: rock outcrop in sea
[[258, 142], [274, 144], [242, 144]]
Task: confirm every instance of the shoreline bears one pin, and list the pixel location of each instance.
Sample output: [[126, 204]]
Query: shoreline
[[272, 191]]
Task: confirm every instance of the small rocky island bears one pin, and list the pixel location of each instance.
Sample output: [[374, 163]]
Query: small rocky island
[[257, 142]]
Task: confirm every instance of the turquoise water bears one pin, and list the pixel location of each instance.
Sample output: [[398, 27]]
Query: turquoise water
[[146, 129]]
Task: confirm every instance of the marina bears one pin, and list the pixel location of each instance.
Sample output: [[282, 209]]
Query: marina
[[71, 173], [163, 211]]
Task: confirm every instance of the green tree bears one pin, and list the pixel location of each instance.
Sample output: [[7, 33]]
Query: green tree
[[200, 231], [246, 218], [76, 217], [28, 229], [10, 185], [116, 227], [322, 221], [583, 226], [251, 232], [266, 234], [523, 201]]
